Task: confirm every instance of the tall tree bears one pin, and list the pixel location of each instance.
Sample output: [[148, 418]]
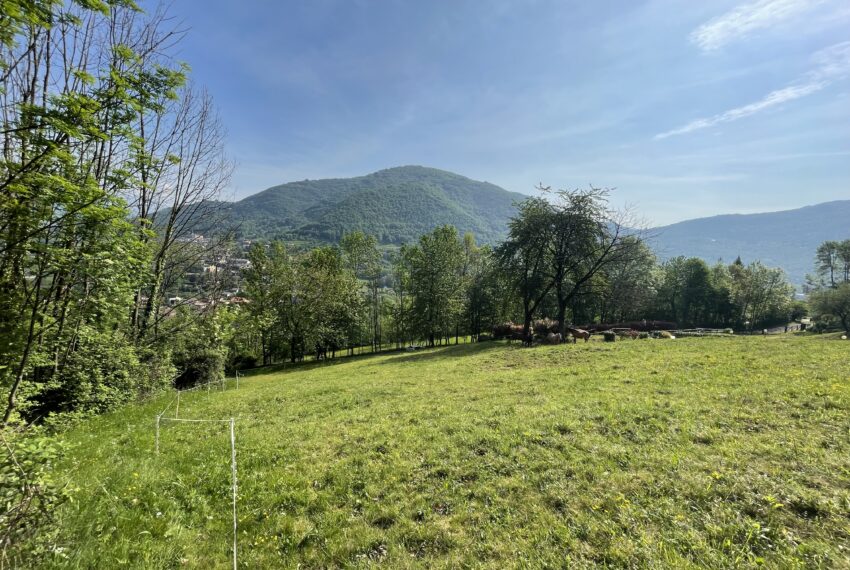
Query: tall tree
[[435, 282], [525, 256], [586, 237], [75, 77], [364, 260]]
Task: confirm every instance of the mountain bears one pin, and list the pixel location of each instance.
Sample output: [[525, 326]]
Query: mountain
[[397, 205], [786, 239]]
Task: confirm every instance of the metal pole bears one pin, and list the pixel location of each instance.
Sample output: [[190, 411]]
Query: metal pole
[[233, 475]]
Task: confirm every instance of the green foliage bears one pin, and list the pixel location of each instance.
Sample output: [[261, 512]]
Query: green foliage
[[395, 205], [691, 293], [833, 302], [309, 303], [30, 492], [102, 373], [436, 284], [72, 262], [199, 345], [833, 262]]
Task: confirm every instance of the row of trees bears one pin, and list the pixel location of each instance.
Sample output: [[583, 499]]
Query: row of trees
[[568, 258], [108, 155]]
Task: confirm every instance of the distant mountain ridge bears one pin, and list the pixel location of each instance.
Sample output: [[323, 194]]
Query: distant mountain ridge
[[397, 205], [786, 239]]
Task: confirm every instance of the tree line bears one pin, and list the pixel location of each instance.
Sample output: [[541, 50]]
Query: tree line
[[568, 258], [108, 155]]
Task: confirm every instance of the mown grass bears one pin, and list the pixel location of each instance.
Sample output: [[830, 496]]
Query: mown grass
[[721, 453]]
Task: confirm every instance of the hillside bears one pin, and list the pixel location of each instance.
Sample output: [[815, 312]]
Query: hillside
[[637, 454], [397, 205], [785, 239]]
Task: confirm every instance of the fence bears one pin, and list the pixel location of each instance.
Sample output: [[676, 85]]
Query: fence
[[175, 400]]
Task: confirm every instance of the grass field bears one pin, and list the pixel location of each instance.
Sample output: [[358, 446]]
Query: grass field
[[715, 452]]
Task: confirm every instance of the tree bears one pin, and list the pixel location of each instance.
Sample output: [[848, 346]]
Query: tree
[[363, 259], [490, 298], [832, 264], [400, 309], [833, 302], [761, 295], [75, 78], [328, 299], [525, 256], [587, 237], [268, 282], [629, 286], [435, 282]]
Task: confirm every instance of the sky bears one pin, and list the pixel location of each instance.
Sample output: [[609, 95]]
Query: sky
[[686, 109]]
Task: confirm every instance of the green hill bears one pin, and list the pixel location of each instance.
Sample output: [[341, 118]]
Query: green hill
[[397, 205]]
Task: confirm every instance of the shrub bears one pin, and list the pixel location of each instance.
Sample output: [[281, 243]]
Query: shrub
[[28, 494], [201, 367], [103, 373]]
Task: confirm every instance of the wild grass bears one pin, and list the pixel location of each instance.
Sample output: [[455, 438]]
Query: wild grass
[[690, 453]]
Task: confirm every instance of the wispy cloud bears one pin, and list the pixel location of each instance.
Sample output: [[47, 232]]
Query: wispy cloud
[[746, 19], [831, 64]]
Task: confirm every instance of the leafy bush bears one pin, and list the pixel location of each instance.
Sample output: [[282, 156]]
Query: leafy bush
[[200, 345], [29, 495], [102, 373]]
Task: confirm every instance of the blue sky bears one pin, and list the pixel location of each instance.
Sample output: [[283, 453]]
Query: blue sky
[[687, 108]]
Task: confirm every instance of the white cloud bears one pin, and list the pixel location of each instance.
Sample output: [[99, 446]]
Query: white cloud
[[746, 19], [831, 64]]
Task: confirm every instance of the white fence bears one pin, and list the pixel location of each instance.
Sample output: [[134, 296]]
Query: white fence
[[161, 417]]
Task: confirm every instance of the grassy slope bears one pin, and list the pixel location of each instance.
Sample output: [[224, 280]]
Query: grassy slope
[[693, 452]]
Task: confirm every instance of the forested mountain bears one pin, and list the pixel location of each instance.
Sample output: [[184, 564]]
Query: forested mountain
[[396, 205], [786, 239]]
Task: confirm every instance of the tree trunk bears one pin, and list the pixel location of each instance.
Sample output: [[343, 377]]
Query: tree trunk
[[562, 319]]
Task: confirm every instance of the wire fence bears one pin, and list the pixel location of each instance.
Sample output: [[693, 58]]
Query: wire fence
[[175, 402], [233, 479]]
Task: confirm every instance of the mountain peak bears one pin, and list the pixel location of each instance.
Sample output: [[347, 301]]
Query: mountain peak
[[395, 204]]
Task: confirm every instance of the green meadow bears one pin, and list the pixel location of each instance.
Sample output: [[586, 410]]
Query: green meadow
[[689, 453]]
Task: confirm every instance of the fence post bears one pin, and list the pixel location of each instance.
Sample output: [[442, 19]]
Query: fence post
[[233, 475], [177, 409], [156, 445], [237, 379]]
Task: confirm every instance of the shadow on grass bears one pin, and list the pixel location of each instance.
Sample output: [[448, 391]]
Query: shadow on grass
[[449, 351], [400, 355]]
